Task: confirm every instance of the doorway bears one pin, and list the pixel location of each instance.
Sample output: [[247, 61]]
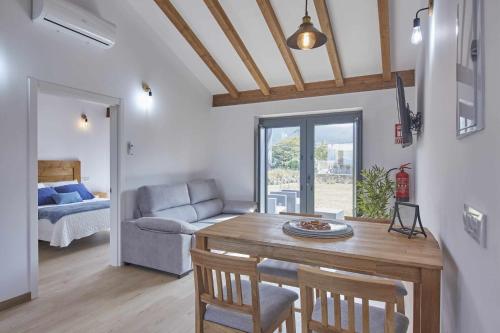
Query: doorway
[[310, 164], [35, 89]]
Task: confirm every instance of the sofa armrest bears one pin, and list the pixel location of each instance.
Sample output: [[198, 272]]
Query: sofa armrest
[[169, 226], [239, 207]]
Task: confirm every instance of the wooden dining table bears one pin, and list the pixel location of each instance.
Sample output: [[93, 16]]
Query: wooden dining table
[[371, 250]]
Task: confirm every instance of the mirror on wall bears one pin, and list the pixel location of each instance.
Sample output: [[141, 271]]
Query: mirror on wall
[[470, 67]]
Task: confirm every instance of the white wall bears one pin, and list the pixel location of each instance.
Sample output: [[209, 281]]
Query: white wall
[[232, 162], [452, 172], [61, 137], [170, 139]]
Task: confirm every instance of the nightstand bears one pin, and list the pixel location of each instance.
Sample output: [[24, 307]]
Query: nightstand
[[100, 194]]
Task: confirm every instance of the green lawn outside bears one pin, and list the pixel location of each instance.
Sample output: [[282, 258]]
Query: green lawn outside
[[329, 196]]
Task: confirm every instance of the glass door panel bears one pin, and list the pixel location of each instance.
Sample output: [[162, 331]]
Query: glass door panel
[[309, 164], [334, 169], [282, 165]]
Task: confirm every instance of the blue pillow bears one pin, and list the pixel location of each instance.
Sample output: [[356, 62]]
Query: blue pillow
[[80, 188], [45, 196], [66, 198]]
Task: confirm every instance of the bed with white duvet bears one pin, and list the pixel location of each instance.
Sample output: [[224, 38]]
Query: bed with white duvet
[[74, 225]]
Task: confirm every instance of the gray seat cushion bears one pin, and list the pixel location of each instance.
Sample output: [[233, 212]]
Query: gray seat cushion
[[273, 301], [289, 270], [377, 317], [169, 226], [218, 218], [202, 190], [279, 268]]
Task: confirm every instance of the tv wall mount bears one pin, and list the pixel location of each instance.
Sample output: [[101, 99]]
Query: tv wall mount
[[416, 120]]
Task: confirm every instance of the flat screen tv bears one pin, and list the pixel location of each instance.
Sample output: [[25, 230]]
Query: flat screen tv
[[405, 117]]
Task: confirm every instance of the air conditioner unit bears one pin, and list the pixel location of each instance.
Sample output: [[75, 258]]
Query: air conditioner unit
[[77, 21]]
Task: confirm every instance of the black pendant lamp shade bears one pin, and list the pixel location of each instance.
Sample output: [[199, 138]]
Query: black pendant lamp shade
[[307, 37]]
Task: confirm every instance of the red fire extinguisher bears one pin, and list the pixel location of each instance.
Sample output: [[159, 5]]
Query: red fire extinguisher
[[402, 183]]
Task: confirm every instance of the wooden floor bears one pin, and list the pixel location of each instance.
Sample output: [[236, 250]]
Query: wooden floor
[[80, 292]]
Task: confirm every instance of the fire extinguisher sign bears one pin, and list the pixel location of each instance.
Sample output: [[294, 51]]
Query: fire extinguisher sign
[[398, 134]]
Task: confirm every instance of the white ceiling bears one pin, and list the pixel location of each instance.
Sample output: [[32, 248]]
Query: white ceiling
[[355, 24]]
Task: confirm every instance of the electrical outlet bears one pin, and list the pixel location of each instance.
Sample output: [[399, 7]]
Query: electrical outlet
[[475, 224], [85, 179]]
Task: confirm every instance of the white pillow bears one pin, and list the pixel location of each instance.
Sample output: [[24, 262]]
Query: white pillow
[[62, 183], [41, 185]]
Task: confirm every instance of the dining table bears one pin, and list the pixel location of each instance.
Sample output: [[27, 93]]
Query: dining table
[[370, 250]]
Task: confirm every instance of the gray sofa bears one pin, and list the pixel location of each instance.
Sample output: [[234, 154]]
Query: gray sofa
[[168, 217]]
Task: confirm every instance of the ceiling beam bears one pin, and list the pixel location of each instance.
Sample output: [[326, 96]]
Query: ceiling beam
[[331, 46], [230, 32], [181, 25], [314, 89], [385, 37], [272, 22]]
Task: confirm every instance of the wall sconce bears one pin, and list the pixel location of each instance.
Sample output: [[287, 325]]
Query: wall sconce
[[147, 97], [84, 122], [416, 36]]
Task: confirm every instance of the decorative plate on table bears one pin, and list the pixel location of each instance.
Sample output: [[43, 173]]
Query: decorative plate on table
[[317, 228]]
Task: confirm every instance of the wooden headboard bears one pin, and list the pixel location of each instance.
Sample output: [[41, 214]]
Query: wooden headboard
[[56, 171]]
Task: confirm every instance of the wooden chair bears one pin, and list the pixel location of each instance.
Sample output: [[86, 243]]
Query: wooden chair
[[227, 303], [332, 314], [402, 289], [279, 271]]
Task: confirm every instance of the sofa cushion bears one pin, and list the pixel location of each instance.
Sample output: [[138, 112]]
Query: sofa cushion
[[202, 190], [208, 208], [159, 197], [184, 213], [218, 218], [169, 226], [239, 207]]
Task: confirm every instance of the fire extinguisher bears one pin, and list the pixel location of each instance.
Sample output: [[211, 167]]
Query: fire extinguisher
[[402, 183]]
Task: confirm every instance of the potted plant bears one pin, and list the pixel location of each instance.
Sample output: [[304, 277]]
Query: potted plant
[[374, 192]]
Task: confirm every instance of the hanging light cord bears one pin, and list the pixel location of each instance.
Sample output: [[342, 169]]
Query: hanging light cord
[[418, 11], [306, 9]]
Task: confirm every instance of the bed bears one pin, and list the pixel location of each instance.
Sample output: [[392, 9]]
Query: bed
[[61, 224]]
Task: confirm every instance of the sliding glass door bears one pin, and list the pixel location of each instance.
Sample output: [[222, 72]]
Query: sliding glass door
[[309, 164]]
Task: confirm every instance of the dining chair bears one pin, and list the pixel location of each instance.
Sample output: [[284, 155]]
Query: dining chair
[[330, 313], [279, 271], [230, 299], [286, 273]]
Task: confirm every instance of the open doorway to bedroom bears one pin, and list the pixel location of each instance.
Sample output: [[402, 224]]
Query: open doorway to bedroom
[[74, 182]]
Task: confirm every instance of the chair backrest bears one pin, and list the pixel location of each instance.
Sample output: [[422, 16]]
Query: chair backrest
[[301, 214], [366, 288], [215, 275]]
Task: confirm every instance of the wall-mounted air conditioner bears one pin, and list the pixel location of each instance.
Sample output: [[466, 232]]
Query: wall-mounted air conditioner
[[77, 21]]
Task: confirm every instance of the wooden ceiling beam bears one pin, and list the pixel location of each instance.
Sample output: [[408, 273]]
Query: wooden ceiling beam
[[314, 89], [331, 46], [385, 37], [272, 22], [233, 36], [168, 8]]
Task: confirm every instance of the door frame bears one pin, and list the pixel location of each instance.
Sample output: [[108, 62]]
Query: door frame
[[306, 124], [35, 87]]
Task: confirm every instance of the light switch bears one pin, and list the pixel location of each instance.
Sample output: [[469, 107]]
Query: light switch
[[475, 224], [130, 148]]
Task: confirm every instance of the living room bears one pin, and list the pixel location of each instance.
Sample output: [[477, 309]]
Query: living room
[[206, 97]]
